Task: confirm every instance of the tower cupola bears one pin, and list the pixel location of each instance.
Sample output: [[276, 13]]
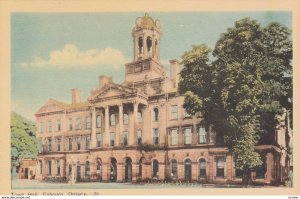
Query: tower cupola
[[146, 38]]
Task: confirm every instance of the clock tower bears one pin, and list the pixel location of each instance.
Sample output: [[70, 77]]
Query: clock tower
[[146, 51]]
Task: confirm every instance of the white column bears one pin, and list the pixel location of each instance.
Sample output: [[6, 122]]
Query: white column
[[135, 113], [93, 134], [119, 135], [106, 133], [144, 45]]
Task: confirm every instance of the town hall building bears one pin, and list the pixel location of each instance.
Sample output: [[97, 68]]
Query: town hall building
[[138, 130]]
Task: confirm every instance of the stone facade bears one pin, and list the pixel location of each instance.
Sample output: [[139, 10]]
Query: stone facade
[[139, 130]]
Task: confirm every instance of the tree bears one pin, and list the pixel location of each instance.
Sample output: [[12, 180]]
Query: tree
[[23, 141], [243, 89]]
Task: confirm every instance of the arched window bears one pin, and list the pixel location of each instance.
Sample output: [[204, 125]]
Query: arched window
[[125, 118], [70, 170], [155, 114], [112, 119], [49, 167], [98, 168], [41, 166], [57, 167], [87, 168], [155, 168], [140, 45], [98, 121], [173, 168], [202, 168], [149, 44]]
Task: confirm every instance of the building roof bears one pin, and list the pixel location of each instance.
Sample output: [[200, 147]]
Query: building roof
[[146, 22]]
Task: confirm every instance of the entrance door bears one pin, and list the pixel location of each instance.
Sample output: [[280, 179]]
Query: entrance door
[[188, 170], [78, 174], [128, 170], [113, 170], [26, 173]]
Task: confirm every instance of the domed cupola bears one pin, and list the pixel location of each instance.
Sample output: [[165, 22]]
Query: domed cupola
[[146, 38], [146, 22]]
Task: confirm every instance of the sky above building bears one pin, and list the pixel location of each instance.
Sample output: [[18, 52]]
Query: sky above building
[[55, 52]]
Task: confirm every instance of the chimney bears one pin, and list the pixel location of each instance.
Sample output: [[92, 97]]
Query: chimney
[[103, 80], [175, 71], [76, 98]]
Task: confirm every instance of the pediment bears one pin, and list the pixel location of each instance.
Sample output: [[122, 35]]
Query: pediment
[[50, 107], [112, 91]]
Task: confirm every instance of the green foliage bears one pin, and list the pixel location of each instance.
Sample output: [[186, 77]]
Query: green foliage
[[244, 88], [23, 141]]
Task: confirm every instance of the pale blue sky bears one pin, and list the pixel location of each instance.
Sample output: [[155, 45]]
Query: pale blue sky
[[36, 77]]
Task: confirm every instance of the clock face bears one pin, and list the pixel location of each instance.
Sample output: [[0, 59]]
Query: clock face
[[157, 23], [138, 21]]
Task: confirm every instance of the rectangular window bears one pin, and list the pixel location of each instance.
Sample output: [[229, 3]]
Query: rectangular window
[[202, 135], [70, 143], [139, 136], [112, 139], [58, 125], [112, 119], [41, 127], [139, 117], [79, 123], [58, 140], [78, 139], [70, 125], [125, 118], [125, 138], [49, 144], [57, 167], [98, 121], [88, 122], [49, 126], [155, 136], [188, 136], [99, 139], [87, 142], [174, 136], [220, 166], [174, 112]]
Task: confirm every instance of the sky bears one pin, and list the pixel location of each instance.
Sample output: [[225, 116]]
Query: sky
[[53, 53]]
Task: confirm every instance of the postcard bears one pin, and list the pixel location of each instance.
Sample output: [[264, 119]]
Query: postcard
[[180, 97]]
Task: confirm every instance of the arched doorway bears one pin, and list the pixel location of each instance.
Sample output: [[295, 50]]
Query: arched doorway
[[155, 168], [128, 170], [78, 173], [98, 169], [113, 170], [188, 170]]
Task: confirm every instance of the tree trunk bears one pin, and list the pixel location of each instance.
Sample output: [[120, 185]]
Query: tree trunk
[[246, 178]]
